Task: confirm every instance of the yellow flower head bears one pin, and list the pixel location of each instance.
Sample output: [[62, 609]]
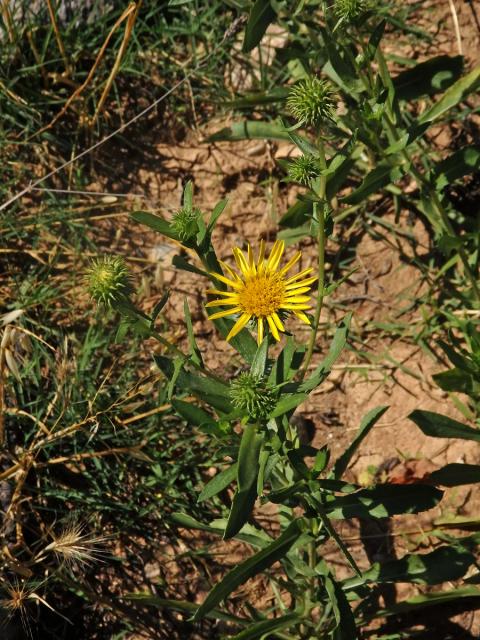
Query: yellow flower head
[[262, 290]]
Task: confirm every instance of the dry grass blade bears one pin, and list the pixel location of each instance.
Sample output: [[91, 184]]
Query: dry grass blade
[[90, 75], [58, 37], [132, 16]]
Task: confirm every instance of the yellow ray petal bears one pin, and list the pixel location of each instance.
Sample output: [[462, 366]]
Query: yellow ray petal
[[221, 314], [290, 263], [251, 260], [298, 275], [273, 328], [238, 326], [275, 256], [218, 292], [297, 291], [302, 316], [222, 303], [302, 283], [297, 299], [235, 285], [278, 322], [229, 270], [241, 262], [294, 306], [260, 331]]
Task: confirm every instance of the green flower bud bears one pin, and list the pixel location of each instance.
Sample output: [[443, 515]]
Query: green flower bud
[[304, 170], [253, 395], [311, 101], [350, 10], [185, 223], [108, 281]]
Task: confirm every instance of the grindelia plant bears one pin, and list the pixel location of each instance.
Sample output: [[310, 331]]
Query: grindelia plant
[[265, 465]]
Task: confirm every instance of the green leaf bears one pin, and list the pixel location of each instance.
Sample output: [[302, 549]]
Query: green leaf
[[250, 567], [218, 483], [428, 600], [260, 361], [216, 213], [191, 413], [188, 195], [213, 392], [455, 380], [249, 534], [247, 474], [261, 15], [181, 263], [384, 501], [445, 563], [346, 628], [154, 222], [428, 78], [383, 174], [249, 100], [338, 343], [306, 147], [459, 164], [195, 353], [251, 130], [297, 215], [374, 41], [288, 402], [150, 600], [440, 426], [366, 425], [264, 628], [453, 96], [456, 474]]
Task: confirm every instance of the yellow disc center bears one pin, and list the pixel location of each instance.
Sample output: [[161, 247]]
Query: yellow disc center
[[261, 295]]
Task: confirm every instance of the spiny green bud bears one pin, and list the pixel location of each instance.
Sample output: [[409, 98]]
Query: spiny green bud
[[311, 101], [108, 280], [350, 10], [253, 395], [304, 170], [185, 223]]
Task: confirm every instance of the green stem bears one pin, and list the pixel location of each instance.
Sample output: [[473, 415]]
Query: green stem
[[319, 217]]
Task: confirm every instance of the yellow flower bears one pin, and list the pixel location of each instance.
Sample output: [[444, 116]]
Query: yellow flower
[[262, 291]]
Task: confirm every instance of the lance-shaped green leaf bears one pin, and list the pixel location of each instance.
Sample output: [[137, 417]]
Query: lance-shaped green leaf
[[264, 628], [445, 563], [251, 130], [150, 600], [214, 392], [429, 77], [216, 213], [345, 628], [428, 600], [251, 567], [156, 223], [259, 363], [384, 501], [191, 413], [247, 474], [366, 425], [256, 98], [261, 15], [249, 534], [459, 164], [195, 353], [439, 426], [384, 173], [453, 96], [218, 483], [336, 348]]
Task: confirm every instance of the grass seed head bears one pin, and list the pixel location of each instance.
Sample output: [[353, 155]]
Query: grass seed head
[[312, 101], [73, 547]]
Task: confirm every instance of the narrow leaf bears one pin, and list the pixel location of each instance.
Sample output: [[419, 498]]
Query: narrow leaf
[[440, 426]]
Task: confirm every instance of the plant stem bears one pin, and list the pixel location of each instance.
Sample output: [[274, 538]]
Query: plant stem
[[319, 217]]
